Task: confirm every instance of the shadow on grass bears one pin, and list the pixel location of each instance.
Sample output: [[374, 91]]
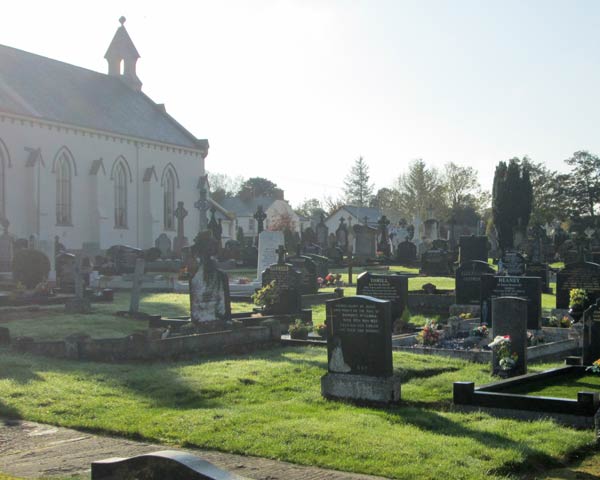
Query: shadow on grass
[[407, 374], [10, 414]]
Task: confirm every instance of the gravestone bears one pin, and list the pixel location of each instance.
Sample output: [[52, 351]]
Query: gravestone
[[341, 236], [359, 351], [79, 304], [365, 242], [163, 243], [123, 258], [210, 303], [584, 275], [406, 252], [268, 242], [473, 247], [162, 465], [287, 285], [260, 216], [383, 245], [64, 264], [6, 252], [435, 262], [542, 271], [321, 264], [136, 288], [308, 273], [513, 263], [322, 233], [528, 288], [591, 334], [385, 287], [510, 318], [180, 240], [468, 281]]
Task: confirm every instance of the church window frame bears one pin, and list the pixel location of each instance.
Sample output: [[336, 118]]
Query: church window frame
[[120, 195], [64, 191], [169, 200]]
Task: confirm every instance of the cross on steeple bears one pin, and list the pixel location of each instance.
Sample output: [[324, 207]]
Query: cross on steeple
[[281, 255]]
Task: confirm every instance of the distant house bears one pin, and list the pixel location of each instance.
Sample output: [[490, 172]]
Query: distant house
[[241, 212], [353, 215]]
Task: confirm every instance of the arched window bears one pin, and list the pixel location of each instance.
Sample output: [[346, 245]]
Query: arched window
[[169, 201], [120, 177], [63, 191]]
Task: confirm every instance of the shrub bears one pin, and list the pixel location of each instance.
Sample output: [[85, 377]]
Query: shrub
[[299, 330], [30, 267], [266, 296], [577, 298]]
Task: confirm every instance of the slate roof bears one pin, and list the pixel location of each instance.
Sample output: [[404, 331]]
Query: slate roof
[[36, 86], [373, 214], [246, 208]]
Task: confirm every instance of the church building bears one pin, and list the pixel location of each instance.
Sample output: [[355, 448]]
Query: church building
[[87, 157]]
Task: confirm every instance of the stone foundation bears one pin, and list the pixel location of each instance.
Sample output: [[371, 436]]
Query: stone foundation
[[361, 388]]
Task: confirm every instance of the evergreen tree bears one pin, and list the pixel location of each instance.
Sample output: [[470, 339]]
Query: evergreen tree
[[512, 199], [357, 189], [419, 189]]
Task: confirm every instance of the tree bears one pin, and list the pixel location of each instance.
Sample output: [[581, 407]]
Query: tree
[[258, 187], [582, 186], [331, 204], [223, 185], [309, 208], [464, 199], [357, 188], [512, 199], [418, 189], [386, 199], [548, 197]]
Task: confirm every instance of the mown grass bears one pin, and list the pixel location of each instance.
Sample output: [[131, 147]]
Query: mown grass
[[566, 387], [269, 404]]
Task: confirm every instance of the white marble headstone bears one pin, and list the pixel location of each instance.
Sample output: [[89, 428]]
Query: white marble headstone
[[268, 242]]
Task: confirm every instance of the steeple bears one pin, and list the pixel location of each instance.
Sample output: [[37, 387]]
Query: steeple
[[122, 57]]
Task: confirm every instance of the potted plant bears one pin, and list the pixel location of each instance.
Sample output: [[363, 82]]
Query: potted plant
[[577, 302], [299, 330]]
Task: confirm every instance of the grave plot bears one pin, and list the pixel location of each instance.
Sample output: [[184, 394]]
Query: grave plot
[[569, 395]]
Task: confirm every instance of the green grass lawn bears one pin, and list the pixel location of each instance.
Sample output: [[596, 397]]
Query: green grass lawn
[[563, 387], [269, 404]]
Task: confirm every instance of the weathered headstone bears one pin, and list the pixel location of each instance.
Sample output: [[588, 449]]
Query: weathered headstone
[[260, 216], [210, 303], [180, 240], [359, 351], [268, 242], [473, 247], [542, 271], [287, 285], [435, 262], [584, 275], [136, 288], [385, 287], [365, 242], [468, 281], [528, 288], [510, 319], [322, 233], [383, 245], [341, 235], [79, 304], [321, 263], [6, 252], [591, 334], [163, 243], [406, 252], [64, 264], [513, 263], [123, 258], [308, 273]]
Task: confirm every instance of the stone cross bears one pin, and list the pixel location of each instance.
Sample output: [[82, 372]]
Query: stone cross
[[281, 254], [260, 217], [136, 288], [202, 203], [78, 278], [213, 225], [179, 241]]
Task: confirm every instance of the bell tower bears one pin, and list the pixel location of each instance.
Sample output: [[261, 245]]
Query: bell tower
[[122, 57]]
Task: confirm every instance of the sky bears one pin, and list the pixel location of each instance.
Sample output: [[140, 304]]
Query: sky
[[296, 90]]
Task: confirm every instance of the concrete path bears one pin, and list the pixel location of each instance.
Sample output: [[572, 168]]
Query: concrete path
[[33, 450]]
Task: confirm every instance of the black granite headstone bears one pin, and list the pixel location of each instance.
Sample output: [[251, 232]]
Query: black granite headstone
[[308, 273], [435, 262], [529, 288], [591, 334], [584, 275], [468, 281], [359, 340], [473, 248], [510, 315], [513, 263], [406, 252], [287, 285], [542, 271], [385, 287]]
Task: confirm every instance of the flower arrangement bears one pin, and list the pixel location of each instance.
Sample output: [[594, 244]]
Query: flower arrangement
[[299, 330], [502, 345], [533, 339], [562, 322], [243, 281], [466, 316], [266, 296], [480, 331], [577, 298], [429, 335], [320, 281], [322, 330], [184, 274], [594, 367]]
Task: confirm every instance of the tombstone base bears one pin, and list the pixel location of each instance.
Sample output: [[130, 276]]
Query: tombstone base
[[361, 388], [78, 305]]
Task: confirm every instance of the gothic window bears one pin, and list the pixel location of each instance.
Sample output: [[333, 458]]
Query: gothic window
[[63, 191], [169, 201], [120, 178]]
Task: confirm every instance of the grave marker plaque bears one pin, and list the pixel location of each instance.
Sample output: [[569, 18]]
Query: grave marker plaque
[[529, 288], [584, 275], [385, 287], [591, 334], [514, 263], [468, 281], [359, 340]]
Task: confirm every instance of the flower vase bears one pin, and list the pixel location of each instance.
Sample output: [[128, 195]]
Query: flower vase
[[576, 312]]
